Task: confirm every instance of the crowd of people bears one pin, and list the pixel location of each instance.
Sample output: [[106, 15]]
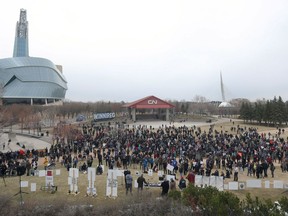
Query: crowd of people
[[185, 149]]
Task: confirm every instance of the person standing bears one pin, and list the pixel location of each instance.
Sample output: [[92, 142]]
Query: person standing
[[191, 177], [141, 180], [129, 180], [165, 187], [272, 169], [182, 183], [45, 163], [28, 167], [236, 173], [172, 185]]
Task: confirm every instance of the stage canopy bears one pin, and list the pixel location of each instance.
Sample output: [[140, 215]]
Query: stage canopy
[[150, 102]]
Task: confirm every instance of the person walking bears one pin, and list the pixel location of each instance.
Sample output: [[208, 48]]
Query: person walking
[[129, 180], [141, 180]]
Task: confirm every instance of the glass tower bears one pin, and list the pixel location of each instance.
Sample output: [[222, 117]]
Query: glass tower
[[21, 48]]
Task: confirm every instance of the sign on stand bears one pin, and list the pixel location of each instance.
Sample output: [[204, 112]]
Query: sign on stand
[[112, 182], [73, 181], [91, 190], [49, 180]]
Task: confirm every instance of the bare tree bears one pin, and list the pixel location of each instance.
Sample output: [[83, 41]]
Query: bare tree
[[199, 104]]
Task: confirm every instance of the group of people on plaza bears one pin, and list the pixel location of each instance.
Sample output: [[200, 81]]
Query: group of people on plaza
[[185, 149]]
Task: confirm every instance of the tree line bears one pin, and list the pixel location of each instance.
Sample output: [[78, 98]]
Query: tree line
[[270, 112]]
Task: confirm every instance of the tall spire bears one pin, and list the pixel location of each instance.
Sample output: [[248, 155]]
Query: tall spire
[[222, 88], [21, 48]]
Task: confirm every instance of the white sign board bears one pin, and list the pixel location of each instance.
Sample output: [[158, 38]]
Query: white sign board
[[115, 183], [33, 187], [278, 184], [24, 184], [233, 185], [109, 183], [267, 184], [253, 184], [169, 177], [135, 184], [170, 167], [160, 173], [42, 173], [58, 172]]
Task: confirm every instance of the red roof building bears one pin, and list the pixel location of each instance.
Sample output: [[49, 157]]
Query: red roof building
[[150, 102]]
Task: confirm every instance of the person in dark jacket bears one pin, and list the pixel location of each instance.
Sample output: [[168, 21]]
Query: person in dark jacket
[[141, 180], [165, 187]]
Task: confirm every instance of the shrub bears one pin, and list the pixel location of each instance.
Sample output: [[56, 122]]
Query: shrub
[[210, 201], [175, 195]]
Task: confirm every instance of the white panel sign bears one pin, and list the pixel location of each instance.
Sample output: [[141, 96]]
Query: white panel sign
[[109, 183], [33, 187], [206, 181], [135, 184], [42, 173], [160, 173], [169, 177], [267, 184], [24, 184], [120, 173], [115, 183], [253, 184], [198, 180], [213, 180], [233, 185], [58, 172], [278, 184], [170, 167]]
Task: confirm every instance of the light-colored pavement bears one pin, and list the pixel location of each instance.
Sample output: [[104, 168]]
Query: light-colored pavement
[[30, 142]]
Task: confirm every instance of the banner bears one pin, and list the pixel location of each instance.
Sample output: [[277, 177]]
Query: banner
[[115, 182], [109, 183], [104, 116]]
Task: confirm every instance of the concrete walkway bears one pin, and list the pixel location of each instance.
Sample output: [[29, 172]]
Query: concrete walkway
[[30, 141]]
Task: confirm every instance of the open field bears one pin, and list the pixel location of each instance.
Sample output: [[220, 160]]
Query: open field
[[61, 181]]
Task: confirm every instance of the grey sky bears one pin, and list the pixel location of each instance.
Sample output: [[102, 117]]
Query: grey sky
[[120, 50]]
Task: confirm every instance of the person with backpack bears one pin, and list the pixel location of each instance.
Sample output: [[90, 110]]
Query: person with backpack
[[182, 183]]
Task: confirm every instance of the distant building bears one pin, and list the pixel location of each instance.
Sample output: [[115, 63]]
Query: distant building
[[30, 80]]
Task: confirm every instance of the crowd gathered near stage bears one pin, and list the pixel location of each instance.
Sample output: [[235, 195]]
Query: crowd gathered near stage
[[186, 149]]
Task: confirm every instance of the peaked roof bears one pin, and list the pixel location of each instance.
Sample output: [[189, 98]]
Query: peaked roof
[[149, 102]]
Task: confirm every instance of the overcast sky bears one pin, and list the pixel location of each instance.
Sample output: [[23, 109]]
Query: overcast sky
[[124, 50]]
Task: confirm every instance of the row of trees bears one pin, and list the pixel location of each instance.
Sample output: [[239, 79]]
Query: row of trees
[[268, 112]]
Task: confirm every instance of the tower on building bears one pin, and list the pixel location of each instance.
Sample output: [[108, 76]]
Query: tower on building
[[21, 48]]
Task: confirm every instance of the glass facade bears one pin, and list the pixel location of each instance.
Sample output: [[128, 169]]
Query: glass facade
[[27, 79], [21, 47], [37, 78]]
